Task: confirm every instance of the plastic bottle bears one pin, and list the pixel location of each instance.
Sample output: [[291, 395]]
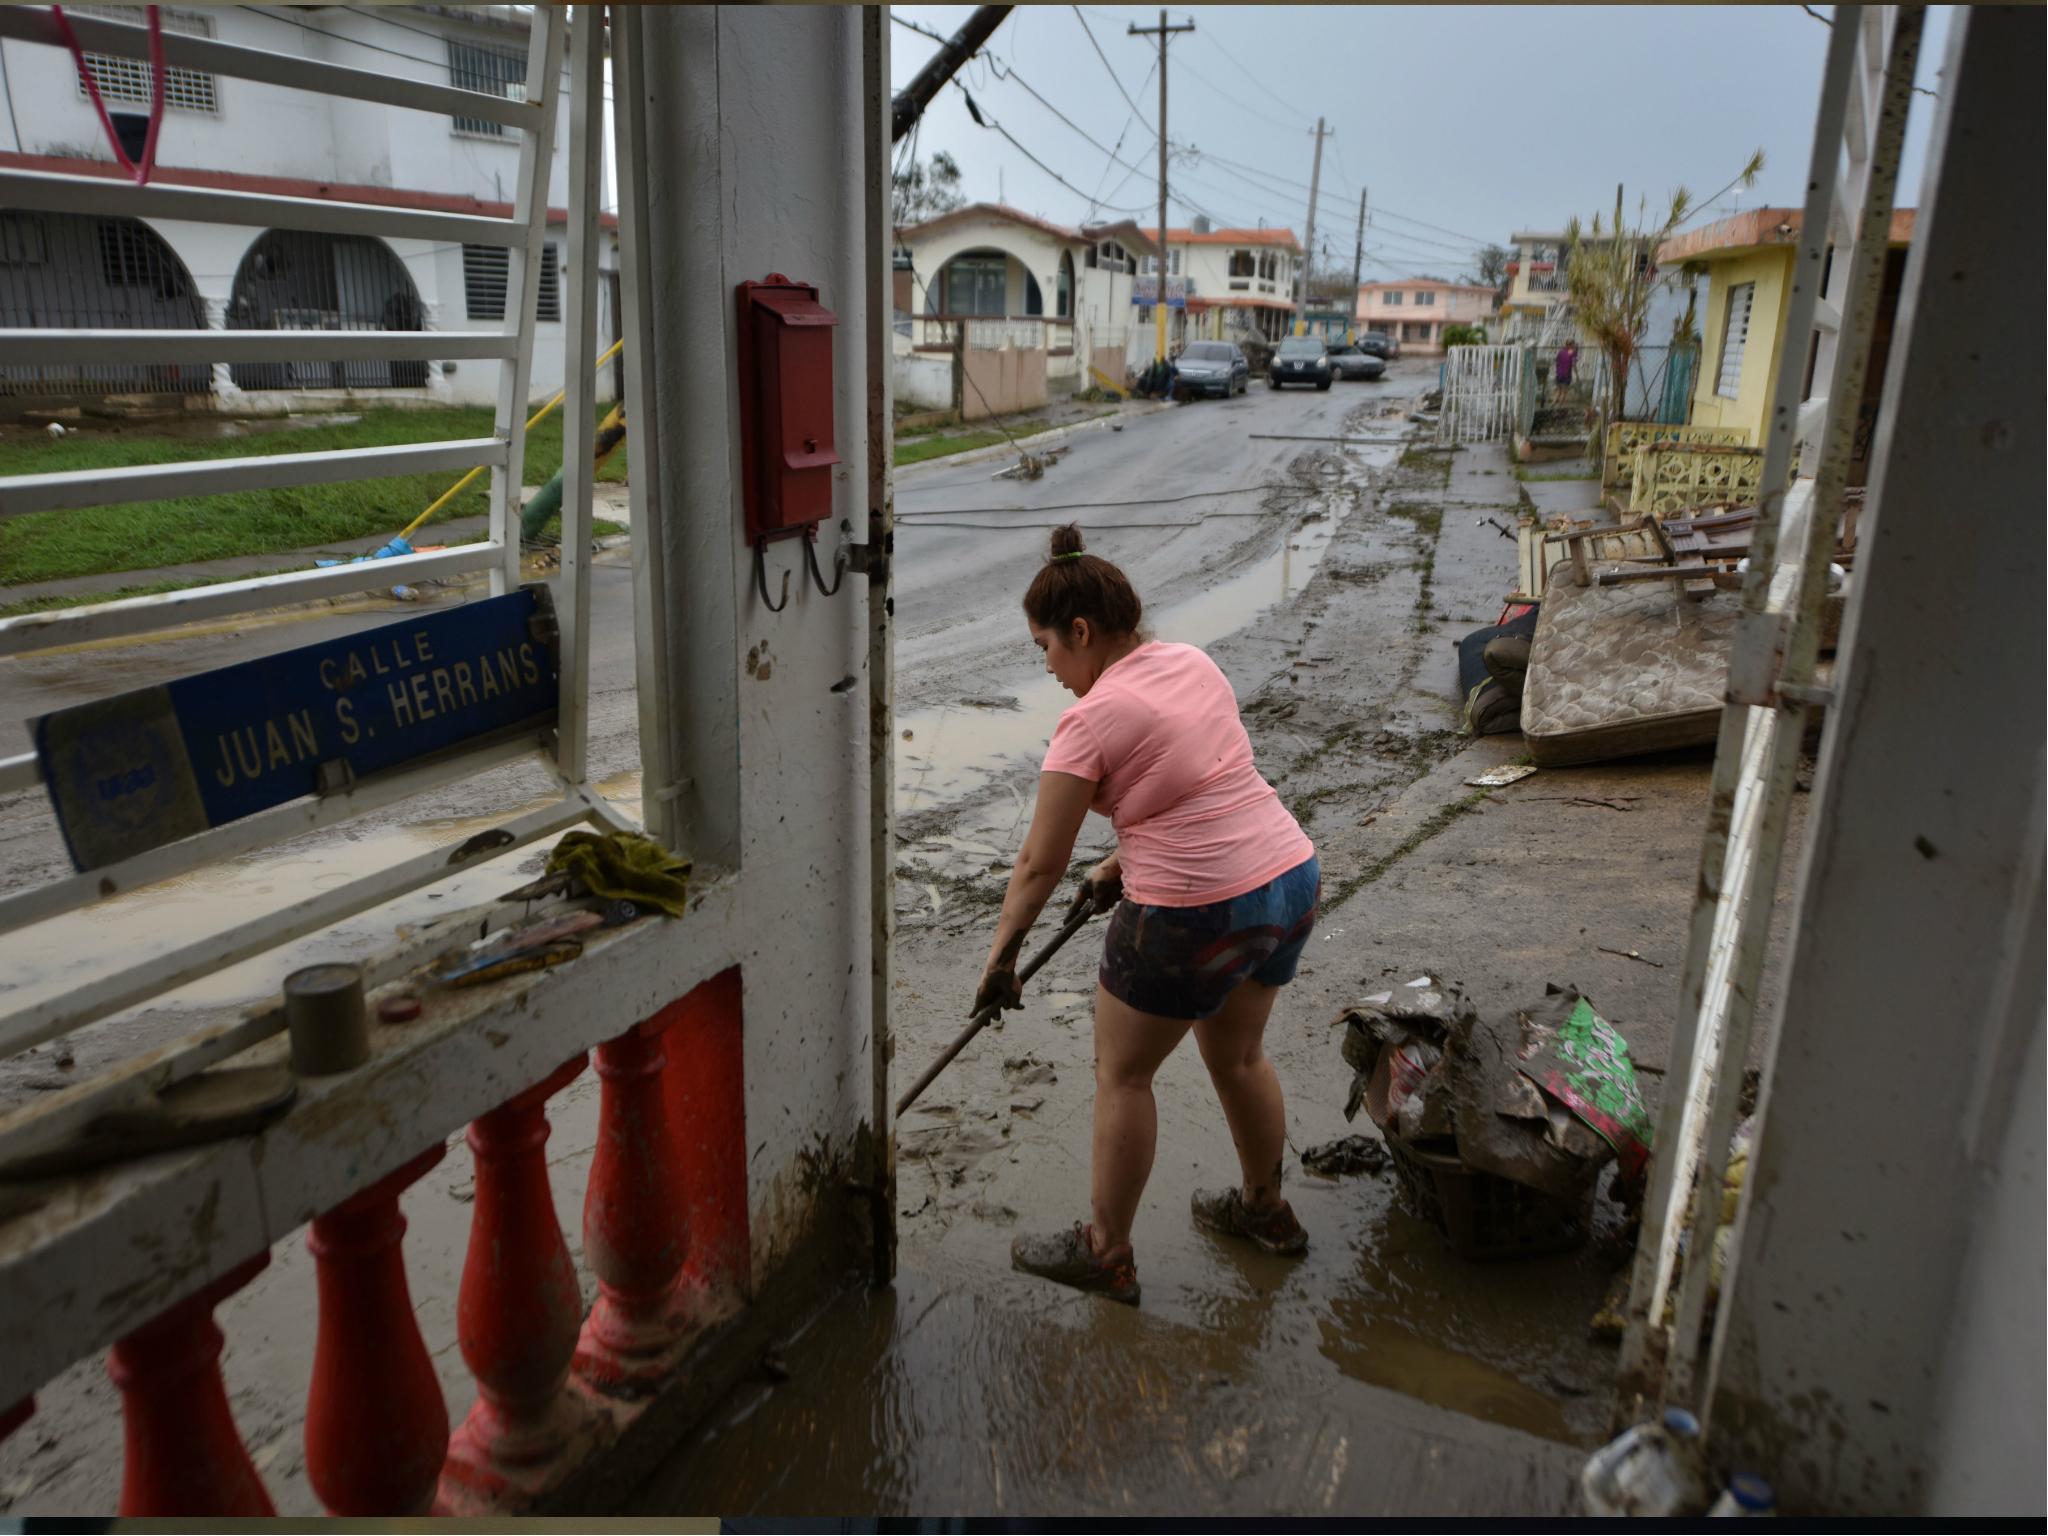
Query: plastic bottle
[[1747, 1496], [1649, 1470]]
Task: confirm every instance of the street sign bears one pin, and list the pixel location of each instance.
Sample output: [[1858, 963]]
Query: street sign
[[145, 768], [1145, 291]]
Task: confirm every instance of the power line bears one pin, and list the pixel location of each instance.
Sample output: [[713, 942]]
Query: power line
[[1107, 65], [983, 121], [1234, 64], [1440, 229], [1241, 106]]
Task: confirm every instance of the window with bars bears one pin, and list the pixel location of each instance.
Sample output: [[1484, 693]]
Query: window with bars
[[188, 90], [1734, 338], [494, 71], [485, 273]]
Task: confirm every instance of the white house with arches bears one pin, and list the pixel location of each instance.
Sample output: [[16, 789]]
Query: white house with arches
[[1013, 276], [81, 270]]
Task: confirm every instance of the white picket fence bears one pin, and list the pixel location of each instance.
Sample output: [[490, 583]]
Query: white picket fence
[[1482, 394]]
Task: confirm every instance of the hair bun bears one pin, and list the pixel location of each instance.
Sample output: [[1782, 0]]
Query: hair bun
[[1066, 540]]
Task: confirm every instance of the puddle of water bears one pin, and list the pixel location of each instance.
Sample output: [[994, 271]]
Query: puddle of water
[[42, 960]]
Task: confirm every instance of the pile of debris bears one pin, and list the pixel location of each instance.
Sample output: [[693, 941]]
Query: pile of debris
[[1498, 1127]]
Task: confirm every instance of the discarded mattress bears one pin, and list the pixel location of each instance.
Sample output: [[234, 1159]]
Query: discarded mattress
[[1622, 670]]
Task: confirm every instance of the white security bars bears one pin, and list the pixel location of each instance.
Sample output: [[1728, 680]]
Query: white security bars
[[129, 980]]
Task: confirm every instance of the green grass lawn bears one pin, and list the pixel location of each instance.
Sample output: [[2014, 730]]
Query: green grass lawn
[[143, 536], [916, 450]]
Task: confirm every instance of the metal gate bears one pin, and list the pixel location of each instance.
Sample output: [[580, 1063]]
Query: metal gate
[[1482, 394], [323, 265], [1865, 97]]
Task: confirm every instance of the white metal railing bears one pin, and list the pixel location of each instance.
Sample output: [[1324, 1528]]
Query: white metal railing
[[140, 974], [1482, 394], [1864, 102]]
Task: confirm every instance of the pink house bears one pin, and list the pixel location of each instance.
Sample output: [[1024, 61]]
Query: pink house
[[1414, 311]]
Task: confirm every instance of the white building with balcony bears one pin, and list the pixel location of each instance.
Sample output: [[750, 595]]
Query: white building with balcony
[[1239, 283], [81, 270]]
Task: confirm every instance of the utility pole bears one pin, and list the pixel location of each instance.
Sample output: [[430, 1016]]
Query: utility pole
[[1162, 31], [1308, 261], [1358, 261]]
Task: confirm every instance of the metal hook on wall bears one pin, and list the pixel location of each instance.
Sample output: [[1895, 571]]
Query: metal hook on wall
[[761, 578], [817, 577]]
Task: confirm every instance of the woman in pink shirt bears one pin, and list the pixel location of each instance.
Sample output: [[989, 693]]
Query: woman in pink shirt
[[1215, 888]]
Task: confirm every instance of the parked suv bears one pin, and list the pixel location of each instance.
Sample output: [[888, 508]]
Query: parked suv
[[1301, 360], [1381, 344], [1212, 368]]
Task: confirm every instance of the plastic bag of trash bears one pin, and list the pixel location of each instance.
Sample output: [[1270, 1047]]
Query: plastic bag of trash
[[1504, 1123], [1581, 1062], [1394, 1042]]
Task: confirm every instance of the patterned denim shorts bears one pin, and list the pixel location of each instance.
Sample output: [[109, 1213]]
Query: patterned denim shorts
[[1182, 962]]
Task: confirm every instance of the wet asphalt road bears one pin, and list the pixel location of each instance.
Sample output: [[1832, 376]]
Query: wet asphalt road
[[967, 543]]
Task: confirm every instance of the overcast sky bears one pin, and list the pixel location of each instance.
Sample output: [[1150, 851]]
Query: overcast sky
[[1465, 124]]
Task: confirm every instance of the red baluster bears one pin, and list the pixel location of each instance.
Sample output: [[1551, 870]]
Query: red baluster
[[707, 1114], [182, 1453], [13, 1418], [520, 1311], [633, 1229], [376, 1423]]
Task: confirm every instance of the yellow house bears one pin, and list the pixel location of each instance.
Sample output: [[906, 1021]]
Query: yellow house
[[1748, 260]]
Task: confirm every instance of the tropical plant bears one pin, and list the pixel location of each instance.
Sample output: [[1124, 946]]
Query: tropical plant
[[924, 191], [1464, 336], [1490, 263], [1611, 271]]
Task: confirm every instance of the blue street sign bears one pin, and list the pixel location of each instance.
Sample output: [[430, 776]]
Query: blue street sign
[[142, 769]]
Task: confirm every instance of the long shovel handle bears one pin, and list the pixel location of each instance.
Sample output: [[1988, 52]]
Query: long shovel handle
[[974, 1027]]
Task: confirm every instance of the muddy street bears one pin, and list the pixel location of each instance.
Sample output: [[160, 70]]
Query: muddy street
[[1327, 580]]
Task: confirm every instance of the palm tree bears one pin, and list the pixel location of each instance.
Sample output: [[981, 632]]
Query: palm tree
[[1609, 276]]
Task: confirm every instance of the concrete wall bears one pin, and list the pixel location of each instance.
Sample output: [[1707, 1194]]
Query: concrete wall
[[1771, 270], [924, 379], [1882, 1324], [756, 166], [1002, 381]]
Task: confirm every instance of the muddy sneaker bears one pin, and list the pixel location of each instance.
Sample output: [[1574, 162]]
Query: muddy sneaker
[[1276, 1231], [1069, 1258]]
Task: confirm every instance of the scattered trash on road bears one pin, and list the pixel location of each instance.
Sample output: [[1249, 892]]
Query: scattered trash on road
[[1493, 778], [1345, 1155]]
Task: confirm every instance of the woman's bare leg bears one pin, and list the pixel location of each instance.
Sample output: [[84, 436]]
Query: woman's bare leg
[[1129, 1047], [1233, 1048]]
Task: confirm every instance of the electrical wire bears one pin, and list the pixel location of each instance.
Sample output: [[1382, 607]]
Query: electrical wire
[[1241, 106], [984, 121], [1108, 66], [1234, 64], [1104, 506]]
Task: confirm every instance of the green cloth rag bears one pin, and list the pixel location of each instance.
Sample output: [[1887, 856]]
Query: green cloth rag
[[624, 866]]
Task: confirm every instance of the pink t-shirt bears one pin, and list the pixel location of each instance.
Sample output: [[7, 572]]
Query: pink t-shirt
[[1160, 735]]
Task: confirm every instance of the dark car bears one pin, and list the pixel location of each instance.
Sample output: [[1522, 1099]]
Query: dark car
[[1352, 361], [1380, 344], [1301, 360], [1212, 368]]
